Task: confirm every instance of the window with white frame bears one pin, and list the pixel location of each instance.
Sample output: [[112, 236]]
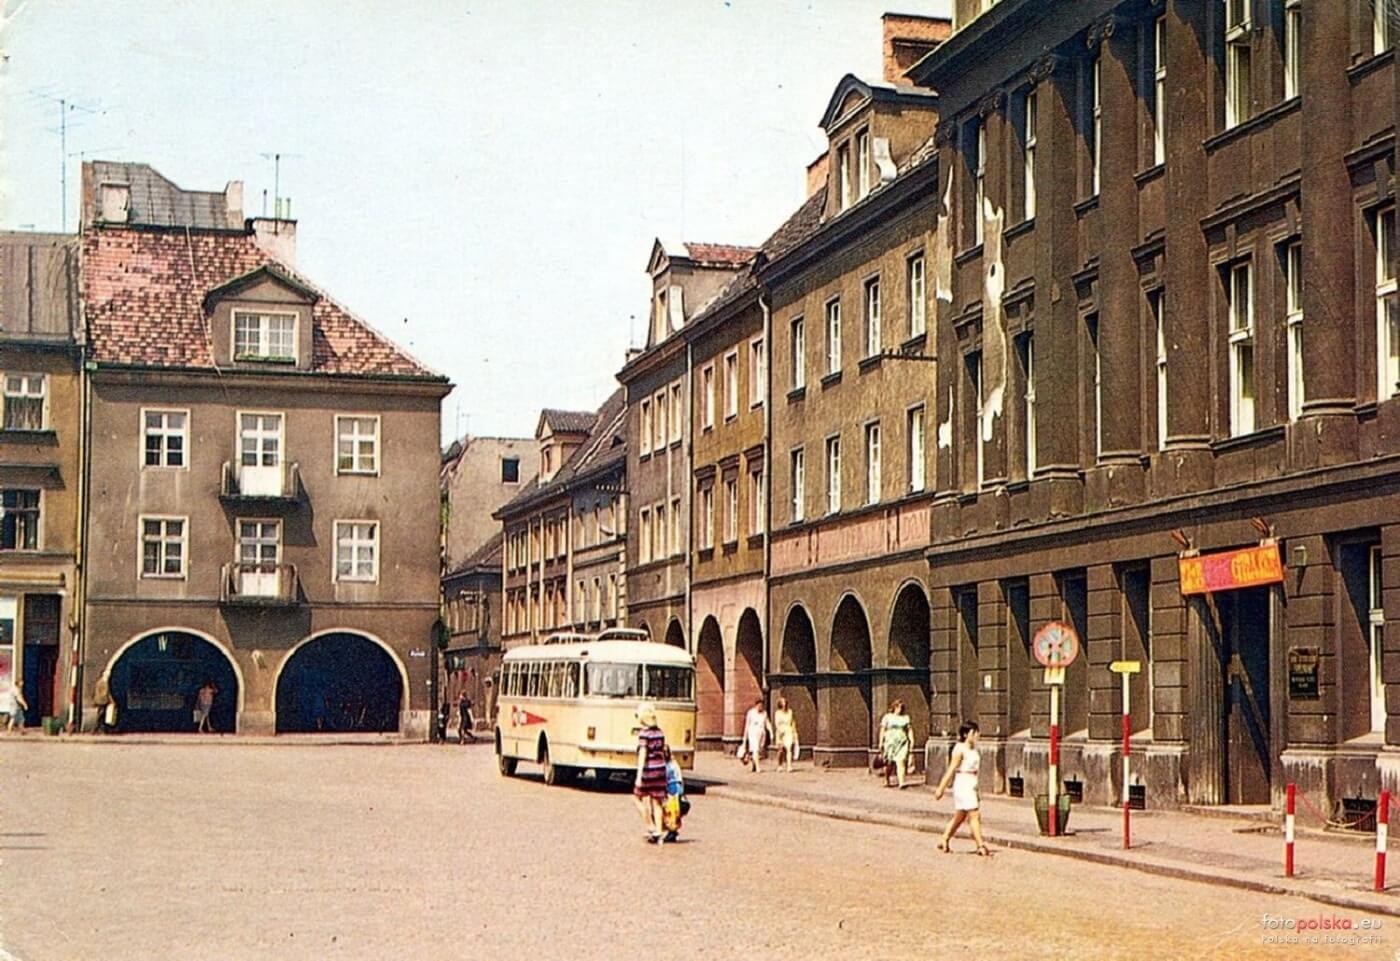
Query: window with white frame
[[26, 400], [644, 540], [1025, 350], [676, 410], [833, 336], [872, 317], [758, 371], [1239, 101], [1387, 308], [581, 602], [758, 512], [597, 598], [974, 377], [357, 445], [676, 545], [658, 437], [1380, 26], [731, 509], [1292, 48], [356, 550], [731, 385], [798, 330], [798, 470], [264, 336], [1157, 303], [1091, 327], [914, 444], [20, 519], [163, 547], [1029, 120], [833, 475], [706, 517], [979, 173], [872, 463], [707, 397], [259, 546], [1159, 91], [1096, 111], [1240, 314], [164, 438], [843, 173], [916, 291], [612, 595], [863, 163], [1376, 636], [645, 446], [1293, 318], [659, 531]]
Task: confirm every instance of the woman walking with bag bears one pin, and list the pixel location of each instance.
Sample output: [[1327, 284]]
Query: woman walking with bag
[[785, 731], [962, 770], [650, 786], [896, 742]]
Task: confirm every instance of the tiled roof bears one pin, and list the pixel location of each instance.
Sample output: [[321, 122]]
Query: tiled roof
[[727, 255], [144, 293], [605, 445], [488, 556], [39, 287], [157, 202], [798, 228], [568, 421]]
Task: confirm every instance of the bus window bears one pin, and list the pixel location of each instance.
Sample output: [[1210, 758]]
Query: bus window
[[571, 680], [556, 679], [670, 683], [615, 680], [508, 680], [532, 683]]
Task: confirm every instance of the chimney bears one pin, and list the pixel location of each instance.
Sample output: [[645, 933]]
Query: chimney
[[908, 38], [816, 172], [233, 201], [277, 237]]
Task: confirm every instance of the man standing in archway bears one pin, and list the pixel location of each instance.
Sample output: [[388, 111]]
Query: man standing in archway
[[204, 706]]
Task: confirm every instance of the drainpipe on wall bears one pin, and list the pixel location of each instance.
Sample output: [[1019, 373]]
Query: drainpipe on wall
[[689, 452], [78, 620], [767, 481]]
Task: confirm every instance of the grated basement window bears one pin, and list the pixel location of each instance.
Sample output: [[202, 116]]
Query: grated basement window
[[1360, 810], [1075, 790], [1016, 787], [1137, 797]]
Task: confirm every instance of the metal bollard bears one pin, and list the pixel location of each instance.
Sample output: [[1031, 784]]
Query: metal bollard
[[1382, 835], [1288, 811]]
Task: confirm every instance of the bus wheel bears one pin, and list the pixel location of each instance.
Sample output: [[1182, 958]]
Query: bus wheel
[[552, 774], [506, 765]]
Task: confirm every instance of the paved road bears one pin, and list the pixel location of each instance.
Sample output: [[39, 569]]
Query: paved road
[[221, 851]]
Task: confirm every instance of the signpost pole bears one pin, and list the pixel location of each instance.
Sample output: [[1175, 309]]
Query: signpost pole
[[1054, 813], [1127, 745]]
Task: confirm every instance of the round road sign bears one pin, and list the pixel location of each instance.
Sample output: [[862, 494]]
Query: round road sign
[[1055, 645]]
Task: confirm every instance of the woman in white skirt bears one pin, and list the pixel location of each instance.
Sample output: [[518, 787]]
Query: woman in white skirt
[[962, 771]]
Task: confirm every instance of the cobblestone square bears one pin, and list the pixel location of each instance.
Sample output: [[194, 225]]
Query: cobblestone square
[[157, 851]]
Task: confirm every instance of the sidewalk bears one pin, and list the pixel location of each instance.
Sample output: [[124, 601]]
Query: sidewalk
[[1245, 853], [33, 736]]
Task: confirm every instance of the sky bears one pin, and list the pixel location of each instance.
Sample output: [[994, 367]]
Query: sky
[[482, 181]]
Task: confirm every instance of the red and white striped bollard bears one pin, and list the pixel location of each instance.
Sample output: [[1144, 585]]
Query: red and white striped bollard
[[1288, 811], [1382, 836]]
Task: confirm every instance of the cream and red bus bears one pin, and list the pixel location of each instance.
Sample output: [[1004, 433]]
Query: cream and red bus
[[570, 703]]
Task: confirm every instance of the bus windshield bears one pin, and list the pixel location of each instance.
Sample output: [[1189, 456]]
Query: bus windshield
[[663, 683]]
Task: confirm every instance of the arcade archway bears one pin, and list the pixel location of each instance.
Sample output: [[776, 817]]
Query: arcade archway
[[709, 685], [850, 722], [796, 679], [338, 683], [156, 678], [909, 656]]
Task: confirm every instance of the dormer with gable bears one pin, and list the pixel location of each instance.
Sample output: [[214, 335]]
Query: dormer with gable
[[559, 433], [685, 277], [262, 319], [873, 128]]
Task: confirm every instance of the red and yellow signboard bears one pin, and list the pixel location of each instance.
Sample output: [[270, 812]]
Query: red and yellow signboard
[[1231, 570]]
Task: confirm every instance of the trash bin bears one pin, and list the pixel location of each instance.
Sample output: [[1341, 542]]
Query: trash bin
[[1042, 812], [52, 726]]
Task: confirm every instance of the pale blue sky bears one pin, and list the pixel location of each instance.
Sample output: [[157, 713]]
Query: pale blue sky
[[480, 180]]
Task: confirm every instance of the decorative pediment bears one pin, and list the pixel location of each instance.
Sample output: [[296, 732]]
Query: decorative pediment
[[297, 291], [851, 94], [659, 259]]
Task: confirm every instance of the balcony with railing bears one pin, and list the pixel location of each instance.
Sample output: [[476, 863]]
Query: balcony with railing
[[278, 483], [259, 585]]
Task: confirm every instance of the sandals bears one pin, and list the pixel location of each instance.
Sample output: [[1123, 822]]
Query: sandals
[[982, 851], [943, 846]]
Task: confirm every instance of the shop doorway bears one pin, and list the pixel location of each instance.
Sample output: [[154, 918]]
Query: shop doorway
[[1245, 633]]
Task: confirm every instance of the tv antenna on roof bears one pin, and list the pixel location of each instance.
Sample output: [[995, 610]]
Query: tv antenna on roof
[[66, 105], [276, 159]]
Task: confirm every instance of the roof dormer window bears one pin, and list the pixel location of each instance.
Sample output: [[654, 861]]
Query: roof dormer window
[[862, 164], [843, 173], [265, 336]]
